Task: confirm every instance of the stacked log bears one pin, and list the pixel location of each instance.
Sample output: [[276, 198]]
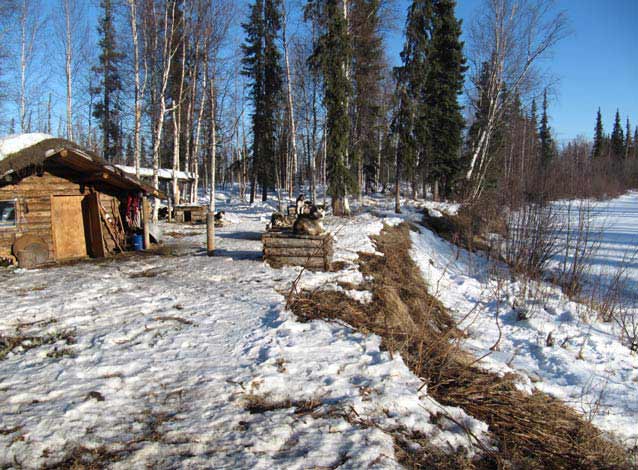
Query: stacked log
[[286, 248]]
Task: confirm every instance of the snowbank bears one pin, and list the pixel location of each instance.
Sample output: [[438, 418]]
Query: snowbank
[[584, 364]]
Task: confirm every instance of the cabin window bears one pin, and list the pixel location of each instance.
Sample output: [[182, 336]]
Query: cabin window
[[7, 214]]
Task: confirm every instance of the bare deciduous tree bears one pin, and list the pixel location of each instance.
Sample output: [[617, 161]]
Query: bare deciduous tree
[[510, 36]]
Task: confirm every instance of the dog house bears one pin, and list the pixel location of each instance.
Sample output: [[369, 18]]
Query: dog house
[[61, 202]]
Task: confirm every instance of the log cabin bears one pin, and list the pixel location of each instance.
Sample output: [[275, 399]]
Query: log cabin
[[60, 202]]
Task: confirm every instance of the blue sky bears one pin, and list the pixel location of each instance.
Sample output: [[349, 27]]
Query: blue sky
[[596, 65]]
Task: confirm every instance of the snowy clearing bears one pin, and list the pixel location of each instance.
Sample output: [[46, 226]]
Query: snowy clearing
[[153, 361]]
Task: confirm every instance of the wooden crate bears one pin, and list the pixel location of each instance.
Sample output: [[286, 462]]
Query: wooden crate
[[190, 214], [286, 248]]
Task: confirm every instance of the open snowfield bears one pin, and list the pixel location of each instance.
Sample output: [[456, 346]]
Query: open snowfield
[[166, 353]]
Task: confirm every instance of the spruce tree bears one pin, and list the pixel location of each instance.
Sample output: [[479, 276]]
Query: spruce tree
[[617, 138], [402, 128], [545, 136], [599, 136], [273, 88], [533, 121], [253, 68], [636, 142], [331, 56], [444, 84], [261, 64], [628, 143], [107, 110], [411, 81], [367, 74]]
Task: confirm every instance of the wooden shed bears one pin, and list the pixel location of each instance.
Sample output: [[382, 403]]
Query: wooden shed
[[61, 202]]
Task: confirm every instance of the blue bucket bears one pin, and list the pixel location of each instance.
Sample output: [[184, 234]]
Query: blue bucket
[[138, 242]]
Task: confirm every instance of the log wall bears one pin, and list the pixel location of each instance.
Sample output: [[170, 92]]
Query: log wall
[[197, 214], [33, 209], [286, 248]]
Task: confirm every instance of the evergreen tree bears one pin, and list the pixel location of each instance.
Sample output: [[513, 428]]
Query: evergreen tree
[[533, 121], [253, 68], [367, 74], [129, 150], [261, 63], [533, 115], [331, 56], [599, 136], [545, 135], [273, 87], [411, 78], [628, 143], [444, 84], [636, 142], [617, 138], [402, 128], [107, 110]]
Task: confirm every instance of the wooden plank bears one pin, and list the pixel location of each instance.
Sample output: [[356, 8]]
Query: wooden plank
[[275, 251], [109, 227], [314, 263], [290, 235], [94, 226], [293, 243], [68, 227]]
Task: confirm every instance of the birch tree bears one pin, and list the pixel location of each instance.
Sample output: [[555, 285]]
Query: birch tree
[[161, 33], [291, 108], [139, 88], [511, 36], [30, 25]]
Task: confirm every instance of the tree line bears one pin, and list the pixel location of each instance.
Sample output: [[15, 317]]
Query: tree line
[[276, 97]]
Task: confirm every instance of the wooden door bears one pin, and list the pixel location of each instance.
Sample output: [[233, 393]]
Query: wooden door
[[93, 226], [67, 224]]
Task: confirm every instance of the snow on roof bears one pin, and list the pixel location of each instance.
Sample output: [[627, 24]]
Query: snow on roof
[[163, 173], [16, 142]]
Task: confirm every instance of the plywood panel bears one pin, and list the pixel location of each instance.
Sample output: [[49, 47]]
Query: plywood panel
[[68, 227]]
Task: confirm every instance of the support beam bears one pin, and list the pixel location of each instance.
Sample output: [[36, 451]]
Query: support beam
[[146, 220]]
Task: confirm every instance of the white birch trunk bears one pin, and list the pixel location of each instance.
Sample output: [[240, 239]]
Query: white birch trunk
[[137, 135], [68, 70]]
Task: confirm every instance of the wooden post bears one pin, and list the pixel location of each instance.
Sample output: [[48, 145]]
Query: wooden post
[[146, 214], [210, 233]]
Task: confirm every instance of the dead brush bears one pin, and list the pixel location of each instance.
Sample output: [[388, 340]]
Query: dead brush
[[261, 404], [24, 342], [531, 431]]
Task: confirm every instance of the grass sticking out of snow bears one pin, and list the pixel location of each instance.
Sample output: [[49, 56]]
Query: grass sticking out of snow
[[532, 431]]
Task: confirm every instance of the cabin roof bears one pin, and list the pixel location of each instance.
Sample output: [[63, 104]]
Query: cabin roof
[[162, 173], [23, 151]]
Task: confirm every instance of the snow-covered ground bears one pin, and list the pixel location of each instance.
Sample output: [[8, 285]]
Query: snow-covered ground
[[614, 232], [157, 358], [583, 363], [170, 350]]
